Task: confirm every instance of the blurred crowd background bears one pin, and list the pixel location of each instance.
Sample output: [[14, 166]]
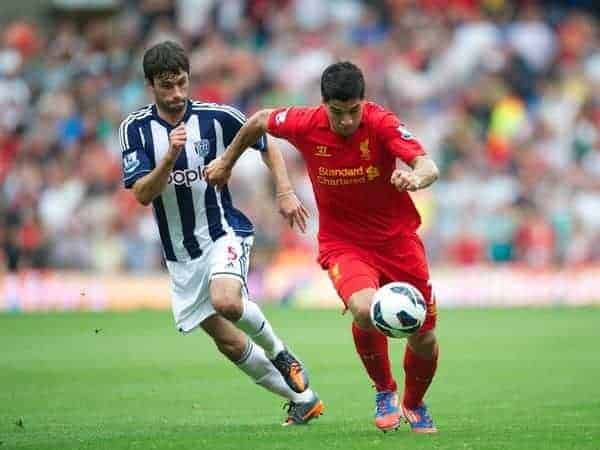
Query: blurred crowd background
[[505, 96]]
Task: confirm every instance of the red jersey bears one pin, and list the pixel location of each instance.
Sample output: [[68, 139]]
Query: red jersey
[[351, 175]]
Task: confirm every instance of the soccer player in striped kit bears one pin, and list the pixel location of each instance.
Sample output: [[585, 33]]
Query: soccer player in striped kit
[[206, 241]]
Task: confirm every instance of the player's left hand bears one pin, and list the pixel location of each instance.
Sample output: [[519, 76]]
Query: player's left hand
[[405, 180], [216, 173], [292, 210]]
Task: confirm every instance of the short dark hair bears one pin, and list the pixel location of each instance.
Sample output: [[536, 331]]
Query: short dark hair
[[342, 81], [168, 57]]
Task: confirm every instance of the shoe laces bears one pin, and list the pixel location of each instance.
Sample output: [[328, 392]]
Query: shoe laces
[[412, 416], [419, 414], [382, 402], [289, 362]]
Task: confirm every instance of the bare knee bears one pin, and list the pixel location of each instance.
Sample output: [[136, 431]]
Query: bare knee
[[226, 298], [360, 306]]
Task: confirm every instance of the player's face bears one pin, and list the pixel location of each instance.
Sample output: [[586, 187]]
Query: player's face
[[344, 117], [171, 92]]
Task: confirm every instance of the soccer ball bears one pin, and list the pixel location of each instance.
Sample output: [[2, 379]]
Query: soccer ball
[[398, 309]]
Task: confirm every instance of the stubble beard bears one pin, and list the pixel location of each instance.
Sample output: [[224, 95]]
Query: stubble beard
[[172, 109]]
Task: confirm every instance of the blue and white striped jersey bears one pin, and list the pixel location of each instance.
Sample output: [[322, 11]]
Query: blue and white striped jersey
[[189, 213]]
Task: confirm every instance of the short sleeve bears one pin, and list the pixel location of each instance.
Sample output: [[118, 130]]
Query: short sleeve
[[285, 122], [398, 140], [232, 120], [136, 163]]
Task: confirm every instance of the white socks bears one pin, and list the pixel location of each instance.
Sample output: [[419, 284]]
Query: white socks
[[254, 323], [255, 361], [257, 366]]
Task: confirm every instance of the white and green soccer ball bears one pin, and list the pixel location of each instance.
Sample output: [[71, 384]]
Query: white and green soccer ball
[[398, 309]]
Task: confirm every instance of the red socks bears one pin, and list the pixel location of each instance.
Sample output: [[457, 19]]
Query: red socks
[[418, 373], [372, 348]]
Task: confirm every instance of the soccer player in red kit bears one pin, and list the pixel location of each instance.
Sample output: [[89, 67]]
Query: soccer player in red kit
[[367, 221]]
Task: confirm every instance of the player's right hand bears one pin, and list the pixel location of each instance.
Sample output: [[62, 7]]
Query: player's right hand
[[177, 138]]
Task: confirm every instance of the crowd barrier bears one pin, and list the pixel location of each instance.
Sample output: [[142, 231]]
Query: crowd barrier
[[300, 286]]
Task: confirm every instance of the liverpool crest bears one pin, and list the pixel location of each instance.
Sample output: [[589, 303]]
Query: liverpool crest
[[365, 153]]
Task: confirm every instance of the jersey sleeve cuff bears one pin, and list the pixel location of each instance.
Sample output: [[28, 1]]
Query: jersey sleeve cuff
[[130, 180]]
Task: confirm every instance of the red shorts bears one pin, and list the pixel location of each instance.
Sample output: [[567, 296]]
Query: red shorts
[[352, 269]]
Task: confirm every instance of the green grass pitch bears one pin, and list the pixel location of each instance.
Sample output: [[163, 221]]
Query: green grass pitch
[[508, 379]]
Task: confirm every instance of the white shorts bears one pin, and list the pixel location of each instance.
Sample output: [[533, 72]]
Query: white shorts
[[227, 257]]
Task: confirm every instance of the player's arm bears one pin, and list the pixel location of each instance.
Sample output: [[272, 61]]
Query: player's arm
[[402, 144], [289, 206], [424, 173], [218, 172], [150, 186]]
